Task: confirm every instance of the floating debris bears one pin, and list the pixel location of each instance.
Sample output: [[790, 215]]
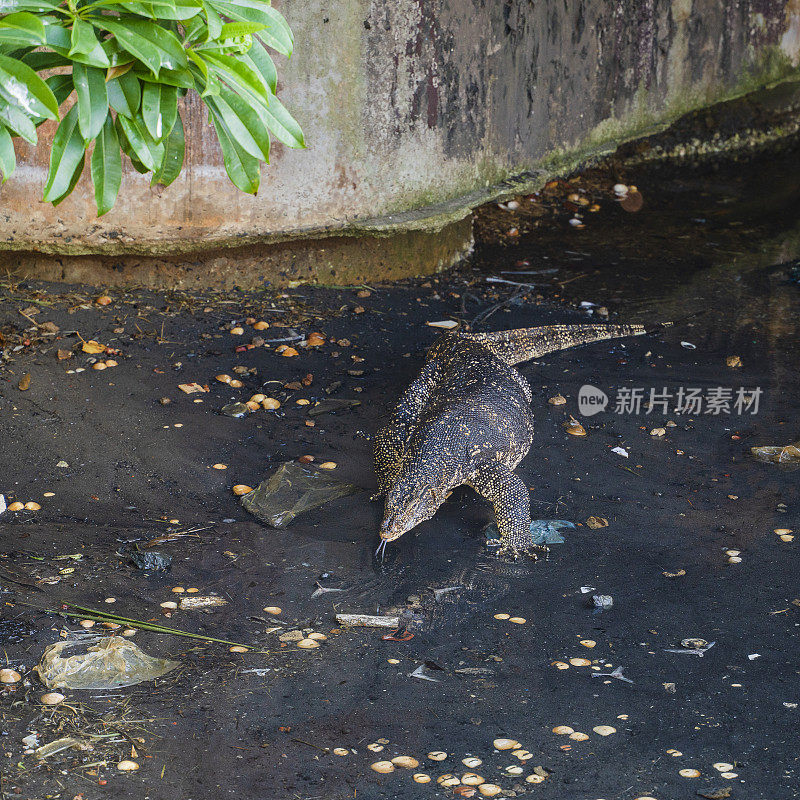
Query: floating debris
[[617, 673]]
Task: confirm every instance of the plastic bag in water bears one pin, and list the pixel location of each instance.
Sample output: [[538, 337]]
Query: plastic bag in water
[[292, 489], [112, 662], [789, 454], [543, 531]]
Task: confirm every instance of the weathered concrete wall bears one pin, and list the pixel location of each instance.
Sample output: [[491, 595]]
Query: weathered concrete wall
[[416, 110]]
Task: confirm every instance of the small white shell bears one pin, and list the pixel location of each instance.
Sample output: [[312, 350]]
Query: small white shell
[[437, 755], [406, 762], [505, 744], [723, 766], [471, 762], [341, 751], [689, 773], [472, 779], [52, 698], [535, 779], [127, 766], [384, 767], [563, 730], [604, 730], [578, 736], [375, 747], [421, 777], [489, 789], [8, 675]]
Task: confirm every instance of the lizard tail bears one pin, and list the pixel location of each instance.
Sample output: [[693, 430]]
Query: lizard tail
[[524, 344]]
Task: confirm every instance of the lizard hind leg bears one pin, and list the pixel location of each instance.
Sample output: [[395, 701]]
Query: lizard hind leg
[[509, 495]]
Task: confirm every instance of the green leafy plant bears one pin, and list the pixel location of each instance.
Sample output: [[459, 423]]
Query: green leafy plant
[[127, 63]]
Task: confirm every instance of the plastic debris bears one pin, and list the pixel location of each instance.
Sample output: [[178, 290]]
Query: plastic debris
[[112, 662], [788, 454], [602, 602], [421, 672], [235, 410], [543, 531], [201, 602], [151, 560], [292, 489], [692, 651], [367, 621], [617, 673], [620, 451]]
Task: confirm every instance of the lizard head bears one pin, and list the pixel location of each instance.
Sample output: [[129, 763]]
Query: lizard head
[[405, 510]]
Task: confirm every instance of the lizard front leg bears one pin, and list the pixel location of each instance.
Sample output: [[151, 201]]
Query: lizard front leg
[[512, 506]]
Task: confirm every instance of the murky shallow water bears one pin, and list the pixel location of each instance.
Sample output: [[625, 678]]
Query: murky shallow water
[[674, 506]]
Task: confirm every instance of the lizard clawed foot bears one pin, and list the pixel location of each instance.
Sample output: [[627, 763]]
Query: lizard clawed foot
[[515, 551]]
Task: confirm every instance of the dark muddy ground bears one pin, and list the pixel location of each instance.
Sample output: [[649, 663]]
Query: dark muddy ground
[[263, 724]]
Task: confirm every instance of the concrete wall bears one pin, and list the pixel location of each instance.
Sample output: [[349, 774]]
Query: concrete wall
[[415, 111]]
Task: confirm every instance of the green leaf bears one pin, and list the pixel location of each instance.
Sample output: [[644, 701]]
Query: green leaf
[[28, 26], [65, 155], [61, 86], [242, 122], [282, 124], [106, 168], [241, 75], [39, 60], [174, 149], [159, 109], [124, 94], [18, 122], [231, 30], [243, 170], [213, 20], [83, 39], [90, 86], [258, 58], [208, 80], [42, 6], [8, 159], [72, 181], [126, 147], [19, 84], [180, 78], [154, 46], [147, 150], [277, 34], [59, 41]]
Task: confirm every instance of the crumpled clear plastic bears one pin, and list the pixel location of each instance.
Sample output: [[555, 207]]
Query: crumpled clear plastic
[[110, 663], [788, 454], [292, 489], [543, 531]]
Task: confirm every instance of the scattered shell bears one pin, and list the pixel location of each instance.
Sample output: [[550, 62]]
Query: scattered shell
[[16, 506], [523, 755], [782, 531], [252, 405], [110, 600], [237, 331], [620, 189], [288, 352], [560, 665], [127, 766], [128, 632], [563, 730], [574, 428], [192, 590], [588, 642], [729, 775], [732, 552], [319, 637], [689, 773], [341, 751], [557, 400], [31, 506], [178, 589], [51, 698], [578, 736], [472, 779], [261, 325], [242, 488], [679, 574], [437, 755], [580, 662], [393, 660], [693, 644], [502, 616], [237, 648], [513, 769], [734, 362], [517, 620], [224, 378], [674, 753], [110, 362], [273, 609], [421, 777], [786, 537], [448, 780], [723, 766], [308, 644], [604, 730], [8, 675], [270, 404], [99, 365], [375, 747], [328, 465], [87, 623], [447, 324], [735, 560], [658, 432], [535, 779], [489, 789], [597, 522], [405, 762], [471, 762], [219, 466], [202, 602], [505, 744], [169, 605], [103, 300], [258, 398], [235, 384]]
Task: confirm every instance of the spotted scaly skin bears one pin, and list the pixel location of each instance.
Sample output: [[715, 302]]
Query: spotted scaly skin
[[466, 419]]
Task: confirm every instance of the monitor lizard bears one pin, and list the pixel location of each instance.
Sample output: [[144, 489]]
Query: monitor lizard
[[466, 419]]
